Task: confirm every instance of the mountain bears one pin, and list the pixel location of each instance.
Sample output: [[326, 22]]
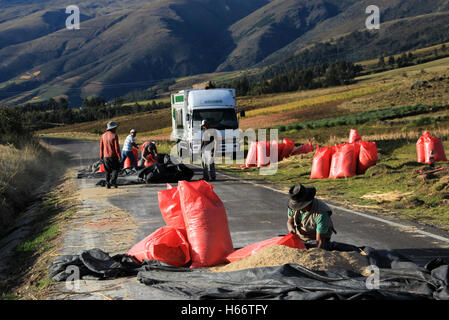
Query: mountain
[[133, 44]]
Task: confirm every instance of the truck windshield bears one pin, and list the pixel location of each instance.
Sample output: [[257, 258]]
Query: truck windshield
[[220, 119]]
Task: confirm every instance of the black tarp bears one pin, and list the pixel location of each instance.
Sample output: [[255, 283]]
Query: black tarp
[[163, 172], [398, 278]]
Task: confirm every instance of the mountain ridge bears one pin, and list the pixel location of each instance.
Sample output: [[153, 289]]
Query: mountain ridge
[[123, 44]]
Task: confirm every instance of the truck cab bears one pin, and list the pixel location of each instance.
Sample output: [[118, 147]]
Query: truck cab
[[191, 107]]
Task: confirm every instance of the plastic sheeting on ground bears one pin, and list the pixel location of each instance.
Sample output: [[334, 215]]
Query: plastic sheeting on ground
[[426, 145], [165, 173], [398, 278]]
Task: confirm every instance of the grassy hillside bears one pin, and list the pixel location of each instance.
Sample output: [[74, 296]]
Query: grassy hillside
[[403, 21], [129, 45], [108, 57], [273, 27]]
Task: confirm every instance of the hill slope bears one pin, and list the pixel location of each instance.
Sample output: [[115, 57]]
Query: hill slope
[[132, 44]]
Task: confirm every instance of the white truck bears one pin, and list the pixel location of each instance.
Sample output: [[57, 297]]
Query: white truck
[[191, 107]]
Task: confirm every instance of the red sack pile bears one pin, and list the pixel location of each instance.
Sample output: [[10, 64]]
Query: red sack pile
[[259, 152], [290, 240], [197, 230], [307, 148], [166, 244], [344, 160], [428, 145], [199, 217]]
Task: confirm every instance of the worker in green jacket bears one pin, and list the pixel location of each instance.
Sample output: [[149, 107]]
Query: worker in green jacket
[[309, 218]]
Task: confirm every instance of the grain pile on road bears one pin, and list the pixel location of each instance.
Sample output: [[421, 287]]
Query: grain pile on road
[[313, 259]]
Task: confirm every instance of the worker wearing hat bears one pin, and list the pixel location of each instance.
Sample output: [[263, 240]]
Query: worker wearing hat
[[309, 217], [127, 152], [208, 147], [110, 154]]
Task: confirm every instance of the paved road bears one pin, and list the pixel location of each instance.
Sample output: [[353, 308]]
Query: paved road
[[257, 212]]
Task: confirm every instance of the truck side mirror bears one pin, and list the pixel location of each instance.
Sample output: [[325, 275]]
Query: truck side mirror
[[242, 114]]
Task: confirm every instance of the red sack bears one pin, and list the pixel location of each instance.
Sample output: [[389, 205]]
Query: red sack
[[354, 136], [435, 145], [263, 153], [206, 224], [281, 147], [166, 244], [102, 169], [420, 148], [288, 148], [368, 156], [304, 149], [275, 145], [251, 157], [290, 240], [128, 163], [170, 206], [321, 163], [343, 164], [149, 161]]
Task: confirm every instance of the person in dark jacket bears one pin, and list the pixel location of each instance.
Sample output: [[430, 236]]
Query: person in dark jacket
[[110, 154]]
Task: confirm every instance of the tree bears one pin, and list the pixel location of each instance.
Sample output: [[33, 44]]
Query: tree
[[391, 61], [381, 63]]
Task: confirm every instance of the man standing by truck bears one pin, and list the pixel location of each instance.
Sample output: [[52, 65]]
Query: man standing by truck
[[110, 154], [208, 147]]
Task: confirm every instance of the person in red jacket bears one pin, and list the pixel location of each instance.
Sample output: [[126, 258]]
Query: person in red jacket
[[110, 154]]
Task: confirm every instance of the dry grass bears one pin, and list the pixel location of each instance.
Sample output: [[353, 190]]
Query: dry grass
[[21, 173], [330, 98], [441, 133]]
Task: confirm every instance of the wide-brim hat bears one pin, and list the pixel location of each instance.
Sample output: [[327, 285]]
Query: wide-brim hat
[[111, 125], [301, 196]]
